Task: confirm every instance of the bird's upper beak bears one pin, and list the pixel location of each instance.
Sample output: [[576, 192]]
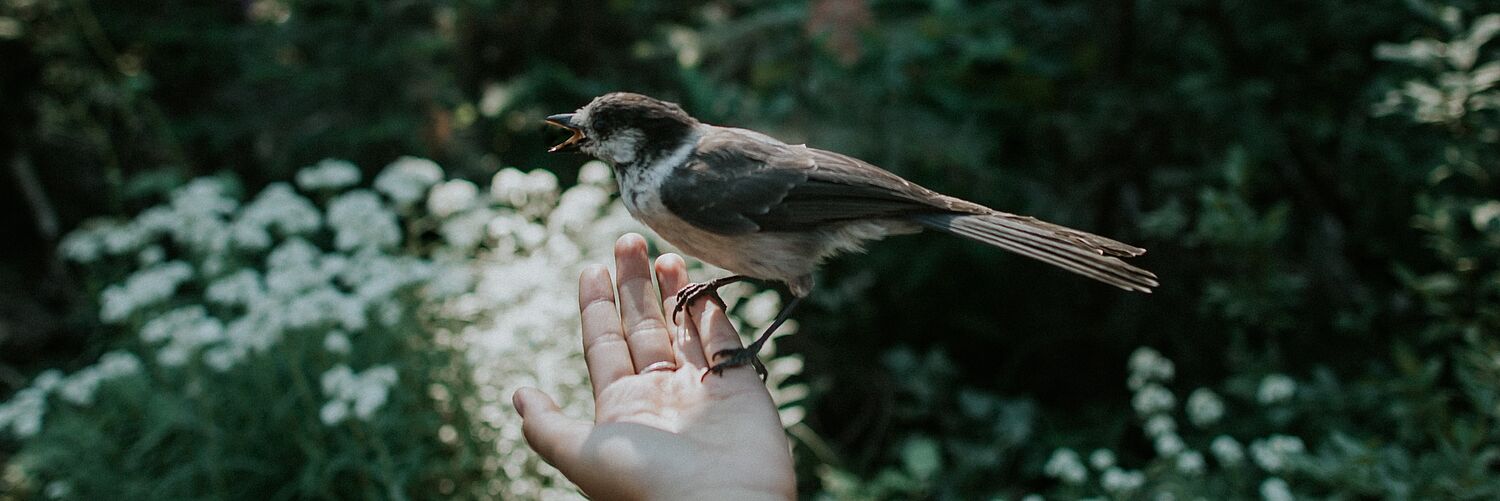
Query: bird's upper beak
[[565, 120]]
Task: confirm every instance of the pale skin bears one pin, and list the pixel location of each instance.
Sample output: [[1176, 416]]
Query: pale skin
[[660, 434]]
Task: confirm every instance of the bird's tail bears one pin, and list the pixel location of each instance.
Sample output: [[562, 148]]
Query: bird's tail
[[1083, 253]]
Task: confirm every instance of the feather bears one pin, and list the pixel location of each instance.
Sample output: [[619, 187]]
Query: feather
[[1082, 253]]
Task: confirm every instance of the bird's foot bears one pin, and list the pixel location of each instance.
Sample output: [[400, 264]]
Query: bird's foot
[[695, 291], [737, 357]]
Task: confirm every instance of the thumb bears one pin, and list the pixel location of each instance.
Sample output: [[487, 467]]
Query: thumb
[[556, 437]]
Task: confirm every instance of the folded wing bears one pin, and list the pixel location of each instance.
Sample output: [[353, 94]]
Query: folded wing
[[742, 182]]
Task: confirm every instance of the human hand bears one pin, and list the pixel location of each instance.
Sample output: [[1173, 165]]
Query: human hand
[[659, 432]]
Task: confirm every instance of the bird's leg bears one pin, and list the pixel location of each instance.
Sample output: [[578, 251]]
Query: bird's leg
[[710, 289], [739, 357]]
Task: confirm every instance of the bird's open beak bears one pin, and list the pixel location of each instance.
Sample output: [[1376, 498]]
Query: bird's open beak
[[565, 121]]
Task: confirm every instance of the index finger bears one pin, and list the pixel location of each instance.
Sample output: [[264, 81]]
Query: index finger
[[604, 348]]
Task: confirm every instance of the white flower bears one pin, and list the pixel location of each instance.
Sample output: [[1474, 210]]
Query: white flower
[[1227, 450], [328, 174], [1153, 398], [337, 342], [1159, 425], [512, 233], [465, 231], [596, 173], [281, 209], [406, 180], [48, 380], [118, 239], [1148, 365], [334, 412], [223, 358], [450, 281], [259, 329], [242, 287], [80, 387], [541, 181], [150, 255], [185, 330], [1273, 453], [532, 193], [81, 246], [451, 197], [1065, 465], [375, 387], [1120, 481], [361, 221], [1204, 408], [24, 412], [1275, 489], [248, 235], [1190, 463], [335, 379], [375, 276], [58, 489], [294, 267], [1168, 445], [205, 195], [389, 313], [578, 208], [143, 288], [325, 306], [363, 392], [1275, 388], [119, 364], [1102, 459]]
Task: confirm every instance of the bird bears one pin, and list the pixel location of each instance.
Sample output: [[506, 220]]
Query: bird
[[770, 211]]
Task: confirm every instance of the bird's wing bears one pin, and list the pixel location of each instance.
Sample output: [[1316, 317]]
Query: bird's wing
[[740, 181], [858, 183]]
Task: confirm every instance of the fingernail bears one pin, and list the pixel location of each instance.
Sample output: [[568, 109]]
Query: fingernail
[[519, 402]]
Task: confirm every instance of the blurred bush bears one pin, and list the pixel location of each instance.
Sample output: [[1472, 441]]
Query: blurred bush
[[330, 340], [1314, 181]]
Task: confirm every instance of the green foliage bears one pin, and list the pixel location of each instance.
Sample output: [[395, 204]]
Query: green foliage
[[257, 351], [1314, 180]]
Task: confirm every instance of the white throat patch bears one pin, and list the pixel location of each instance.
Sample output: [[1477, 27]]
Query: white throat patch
[[642, 188], [620, 148]]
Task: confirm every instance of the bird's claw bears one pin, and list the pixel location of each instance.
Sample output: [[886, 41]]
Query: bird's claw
[[737, 357], [694, 291]]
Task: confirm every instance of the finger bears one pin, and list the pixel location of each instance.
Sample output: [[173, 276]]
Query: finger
[[671, 276], [558, 438], [640, 310], [604, 348], [714, 329]]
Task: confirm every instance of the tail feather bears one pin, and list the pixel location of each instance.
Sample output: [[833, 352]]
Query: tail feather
[[1083, 253]]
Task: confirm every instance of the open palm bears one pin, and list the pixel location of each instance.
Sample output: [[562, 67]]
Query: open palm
[[660, 432]]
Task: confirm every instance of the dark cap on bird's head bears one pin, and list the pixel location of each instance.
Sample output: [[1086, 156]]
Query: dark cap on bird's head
[[624, 127]]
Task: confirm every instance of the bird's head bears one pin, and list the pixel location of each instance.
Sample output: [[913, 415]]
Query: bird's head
[[624, 128]]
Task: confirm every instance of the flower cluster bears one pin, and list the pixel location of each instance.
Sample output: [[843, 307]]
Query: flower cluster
[[329, 174], [260, 274], [1156, 406], [1275, 388], [359, 394], [407, 179], [23, 414], [321, 275]]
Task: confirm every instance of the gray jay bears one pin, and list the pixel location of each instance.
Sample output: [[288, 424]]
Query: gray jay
[[767, 210]]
